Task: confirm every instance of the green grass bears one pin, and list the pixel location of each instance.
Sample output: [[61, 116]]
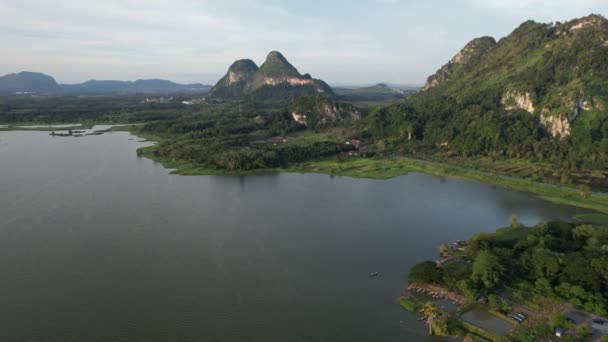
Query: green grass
[[512, 233], [595, 219], [409, 304]]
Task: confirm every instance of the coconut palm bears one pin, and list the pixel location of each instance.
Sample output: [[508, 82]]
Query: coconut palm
[[431, 313]]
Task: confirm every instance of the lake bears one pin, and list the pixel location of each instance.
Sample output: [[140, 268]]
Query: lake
[[97, 244]]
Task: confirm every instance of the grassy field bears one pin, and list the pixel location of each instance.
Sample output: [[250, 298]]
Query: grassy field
[[595, 219], [512, 233]]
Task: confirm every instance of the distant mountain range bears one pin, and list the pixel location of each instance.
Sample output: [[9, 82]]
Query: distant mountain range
[[34, 82], [28, 82], [275, 80]]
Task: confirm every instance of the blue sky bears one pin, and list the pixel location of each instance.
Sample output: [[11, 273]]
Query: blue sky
[[342, 42]]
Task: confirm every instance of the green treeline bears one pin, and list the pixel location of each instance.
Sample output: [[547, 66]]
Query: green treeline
[[557, 72], [559, 261]]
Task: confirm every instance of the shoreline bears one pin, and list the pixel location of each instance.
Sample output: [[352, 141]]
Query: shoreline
[[387, 168], [378, 169]]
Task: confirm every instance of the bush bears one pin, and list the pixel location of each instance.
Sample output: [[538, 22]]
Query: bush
[[583, 331], [498, 304], [409, 304], [467, 287], [426, 272]]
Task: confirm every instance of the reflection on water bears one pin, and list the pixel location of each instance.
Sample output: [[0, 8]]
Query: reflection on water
[[97, 244]]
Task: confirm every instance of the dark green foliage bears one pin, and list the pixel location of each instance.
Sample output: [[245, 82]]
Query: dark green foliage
[[564, 261], [468, 288], [567, 261], [409, 304], [426, 272], [464, 113], [237, 137], [276, 65], [487, 269], [499, 304], [237, 153], [282, 93], [71, 109], [233, 83], [532, 334]]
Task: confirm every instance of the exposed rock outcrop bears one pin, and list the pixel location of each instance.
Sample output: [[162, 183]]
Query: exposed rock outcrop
[[299, 118], [557, 126], [513, 100], [315, 111]]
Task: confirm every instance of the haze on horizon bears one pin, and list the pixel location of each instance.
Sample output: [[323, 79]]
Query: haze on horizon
[[342, 42]]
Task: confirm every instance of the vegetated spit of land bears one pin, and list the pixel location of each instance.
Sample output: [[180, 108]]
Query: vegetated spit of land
[[535, 279]]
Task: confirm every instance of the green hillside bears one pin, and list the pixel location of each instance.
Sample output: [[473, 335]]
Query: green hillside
[[538, 94]]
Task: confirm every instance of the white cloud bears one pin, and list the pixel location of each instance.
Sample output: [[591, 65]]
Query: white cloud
[[383, 40], [547, 10]]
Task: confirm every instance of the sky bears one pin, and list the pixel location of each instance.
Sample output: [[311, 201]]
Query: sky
[[344, 42]]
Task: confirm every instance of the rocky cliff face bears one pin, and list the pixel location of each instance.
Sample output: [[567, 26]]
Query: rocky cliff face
[[556, 126], [241, 71], [554, 71], [275, 80], [513, 100], [232, 84], [318, 111]]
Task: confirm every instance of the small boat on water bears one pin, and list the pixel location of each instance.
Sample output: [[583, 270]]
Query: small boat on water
[[373, 274]]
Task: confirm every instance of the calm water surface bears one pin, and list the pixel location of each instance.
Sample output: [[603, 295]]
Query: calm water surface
[[97, 244]]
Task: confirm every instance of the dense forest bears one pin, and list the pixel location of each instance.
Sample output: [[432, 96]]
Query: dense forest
[[543, 267], [49, 109], [564, 261], [538, 94]]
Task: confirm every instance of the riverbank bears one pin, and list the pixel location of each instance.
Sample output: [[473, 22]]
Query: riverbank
[[376, 168], [373, 168], [511, 304]]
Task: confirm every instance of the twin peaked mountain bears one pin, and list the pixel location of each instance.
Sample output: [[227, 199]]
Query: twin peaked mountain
[[275, 80]]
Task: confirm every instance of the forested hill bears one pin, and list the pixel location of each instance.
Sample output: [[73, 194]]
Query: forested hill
[[128, 87], [540, 93], [35, 82], [276, 80], [28, 82]]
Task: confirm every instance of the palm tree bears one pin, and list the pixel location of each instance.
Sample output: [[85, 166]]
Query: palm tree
[[431, 312]]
